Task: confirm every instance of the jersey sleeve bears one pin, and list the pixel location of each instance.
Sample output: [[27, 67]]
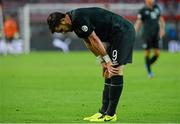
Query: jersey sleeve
[[83, 27], [158, 10], [141, 15]]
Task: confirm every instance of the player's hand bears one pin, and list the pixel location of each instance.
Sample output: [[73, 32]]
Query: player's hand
[[105, 73], [161, 33], [111, 69]]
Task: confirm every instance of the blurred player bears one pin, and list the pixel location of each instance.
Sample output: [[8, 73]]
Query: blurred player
[[97, 27], [150, 17], [13, 43]]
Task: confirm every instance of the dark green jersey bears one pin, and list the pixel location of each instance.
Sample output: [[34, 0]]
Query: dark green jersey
[[150, 19], [103, 22]]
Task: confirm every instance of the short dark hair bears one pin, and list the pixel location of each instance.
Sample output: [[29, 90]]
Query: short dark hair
[[54, 19]]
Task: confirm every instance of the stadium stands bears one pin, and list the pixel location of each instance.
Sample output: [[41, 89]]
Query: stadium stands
[[170, 10]]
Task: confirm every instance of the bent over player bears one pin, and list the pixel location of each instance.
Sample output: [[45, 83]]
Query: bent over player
[[110, 37], [150, 17]]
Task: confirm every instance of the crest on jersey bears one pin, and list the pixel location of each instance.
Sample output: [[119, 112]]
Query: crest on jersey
[[153, 15], [84, 28]]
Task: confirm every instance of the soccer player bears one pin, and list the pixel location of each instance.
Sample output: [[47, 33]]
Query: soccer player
[[97, 26], [13, 43], [150, 17]]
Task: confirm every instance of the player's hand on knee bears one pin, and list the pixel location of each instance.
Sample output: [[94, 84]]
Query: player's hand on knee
[[106, 74], [104, 66], [111, 69], [117, 70], [114, 70]]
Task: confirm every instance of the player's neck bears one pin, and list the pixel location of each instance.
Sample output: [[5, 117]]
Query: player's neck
[[150, 6]]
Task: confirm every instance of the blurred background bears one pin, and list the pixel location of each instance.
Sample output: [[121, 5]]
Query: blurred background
[[32, 31]]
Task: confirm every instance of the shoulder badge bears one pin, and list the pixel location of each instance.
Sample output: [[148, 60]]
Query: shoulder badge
[[84, 28]]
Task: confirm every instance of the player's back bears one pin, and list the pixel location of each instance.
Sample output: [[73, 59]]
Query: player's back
[[102, 21]]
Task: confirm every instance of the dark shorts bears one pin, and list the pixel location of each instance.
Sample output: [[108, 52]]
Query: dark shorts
[[151, 42], [121, 47]]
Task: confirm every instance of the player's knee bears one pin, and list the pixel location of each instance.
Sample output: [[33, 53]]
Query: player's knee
[[117, 80], [120, 70], [157, 56], [147, 53], [157, 52]]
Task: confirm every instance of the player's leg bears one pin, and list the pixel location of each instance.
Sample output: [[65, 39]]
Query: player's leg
[[105, 94], [111, 96], [153, 59], [115, 91], [121, 53], [148, 44], [147, 62], [155, 45], [155, 56], [105, 101], [107, 82]]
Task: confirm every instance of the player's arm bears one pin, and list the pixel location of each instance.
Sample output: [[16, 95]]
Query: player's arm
[[138, 25], [162, 27], [95, 45]]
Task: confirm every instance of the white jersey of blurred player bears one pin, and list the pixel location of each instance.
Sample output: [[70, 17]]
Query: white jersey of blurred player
[[59, 43]]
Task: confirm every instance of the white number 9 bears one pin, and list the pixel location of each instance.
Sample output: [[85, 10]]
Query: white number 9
[[114, 54]]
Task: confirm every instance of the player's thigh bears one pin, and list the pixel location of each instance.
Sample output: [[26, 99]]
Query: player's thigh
[[121, 47], [155, 42], [147, 45]]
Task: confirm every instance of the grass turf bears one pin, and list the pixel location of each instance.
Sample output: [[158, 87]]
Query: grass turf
[[56, 87]]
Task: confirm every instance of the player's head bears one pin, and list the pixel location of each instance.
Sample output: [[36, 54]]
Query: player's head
[[57, 23], [149, 2]]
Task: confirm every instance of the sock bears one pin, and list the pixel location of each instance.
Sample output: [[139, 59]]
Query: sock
[[114, 94], [153, 59], [147, 61], [105, 98]]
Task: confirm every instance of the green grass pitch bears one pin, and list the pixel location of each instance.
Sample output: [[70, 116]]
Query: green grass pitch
[[55, 87]]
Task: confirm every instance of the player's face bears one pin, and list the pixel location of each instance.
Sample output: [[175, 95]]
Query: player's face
[[149, 2], [63, 27]]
